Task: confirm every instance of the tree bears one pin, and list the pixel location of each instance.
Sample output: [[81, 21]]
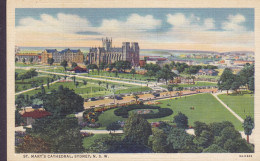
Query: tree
[[214, 149], [31, 60], [63, 133], [236, 84], [92, 66], [135, 96], [73, 64], [170, 88], [152, 67], [179, 140], [205, 139], [32, 144], [20, 101], [43, 89], [48, 83], [228, 133], [193, 78], [246, 73], [248, 126], [199, 127], [102, 65], [50, 61], [18, 118], [122, 65], [99, 83], [111, 66], [226, 80], [76, 84], [64, 63], [74, 79], [137, 130], [113, 126], [166, 74], [179, 89], [84, 82], [251, 84], [150, 73], [133, 72], [217, 127], [63, 102], [181, 120], [159, 143], [23, 60]]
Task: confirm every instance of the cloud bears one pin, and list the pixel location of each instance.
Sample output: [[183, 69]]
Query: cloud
[[187, 31], [65, 23], [234, 23], [191, 22], [134, 24]]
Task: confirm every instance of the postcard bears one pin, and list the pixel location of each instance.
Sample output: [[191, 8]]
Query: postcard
[[132, 80]]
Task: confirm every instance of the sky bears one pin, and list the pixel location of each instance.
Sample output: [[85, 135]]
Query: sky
[[208, 29]]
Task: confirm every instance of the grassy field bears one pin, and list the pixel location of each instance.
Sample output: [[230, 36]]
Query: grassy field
[[92, 89], [88, 141], [197, 84], [26, 83], [122, 75], [206, 109], [19, 64], [243, 105]]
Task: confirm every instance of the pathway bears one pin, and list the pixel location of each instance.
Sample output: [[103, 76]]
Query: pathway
[[34, 88], [228, 108], [92, 78]]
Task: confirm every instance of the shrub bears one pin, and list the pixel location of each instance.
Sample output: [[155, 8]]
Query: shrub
[[123, 111]]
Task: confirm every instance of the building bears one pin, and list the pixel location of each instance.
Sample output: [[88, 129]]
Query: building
[[66, 54], [34, 114], [46, 54], [108, 54], [78, 69], [142, 63], [27, 57], [210, 72]]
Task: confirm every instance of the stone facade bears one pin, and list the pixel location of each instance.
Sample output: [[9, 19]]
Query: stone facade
[[108, 54], [67, 54], [27, 57]]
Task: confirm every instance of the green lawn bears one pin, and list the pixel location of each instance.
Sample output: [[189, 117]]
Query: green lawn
[[108, 117], [81, 89], [19, 64], [92, 89], [91, 140], [121, 75], [207, 109], [243, 105], [26, 83], [197, 84], [88, 141]]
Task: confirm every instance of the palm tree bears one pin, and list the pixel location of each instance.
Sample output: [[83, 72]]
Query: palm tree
[[136, 97], [248, 126], [193, 77], [188, 79]]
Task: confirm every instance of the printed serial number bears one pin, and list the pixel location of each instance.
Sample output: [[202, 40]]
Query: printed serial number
[[246, 156]]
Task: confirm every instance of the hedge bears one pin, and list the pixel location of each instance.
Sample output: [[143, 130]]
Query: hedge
[[163, 112]]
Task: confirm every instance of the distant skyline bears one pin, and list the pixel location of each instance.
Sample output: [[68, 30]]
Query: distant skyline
[[171, 28]]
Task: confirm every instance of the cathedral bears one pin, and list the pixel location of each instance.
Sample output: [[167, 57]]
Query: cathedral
[[109, 54]]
